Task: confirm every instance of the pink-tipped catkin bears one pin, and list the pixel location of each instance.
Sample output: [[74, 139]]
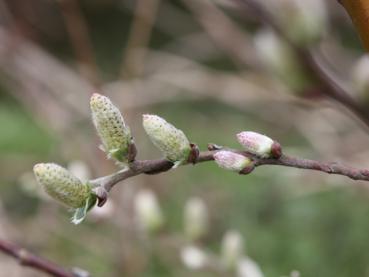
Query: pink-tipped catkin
[[232, 161], [259, 145]]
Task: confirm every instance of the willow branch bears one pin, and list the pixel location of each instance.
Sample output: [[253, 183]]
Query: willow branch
[[162, 165], [328, 85], [28, 259]]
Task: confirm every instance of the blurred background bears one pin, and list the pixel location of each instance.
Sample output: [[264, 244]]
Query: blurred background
[[213, 69]]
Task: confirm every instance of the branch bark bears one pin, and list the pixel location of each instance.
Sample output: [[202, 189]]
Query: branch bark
[[28, 259], [163, 165]]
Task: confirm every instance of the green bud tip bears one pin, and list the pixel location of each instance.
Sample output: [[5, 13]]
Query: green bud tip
[[111, 128], [171, 141], [61, 185]]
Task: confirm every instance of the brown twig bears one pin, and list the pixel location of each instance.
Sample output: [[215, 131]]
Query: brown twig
[[77, 30], [227, 35], [139, 38], [162, 165], [28, 259], [328, 84]]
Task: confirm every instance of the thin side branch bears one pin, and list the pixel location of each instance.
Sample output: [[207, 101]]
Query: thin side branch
[[139, 37], [163, 165], [78, 33], [28, 259], [329, 86]]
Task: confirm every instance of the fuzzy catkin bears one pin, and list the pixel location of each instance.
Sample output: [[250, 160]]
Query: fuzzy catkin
[[171, 141], [61, 185], [256, 143], [231, 161], [111, 128]]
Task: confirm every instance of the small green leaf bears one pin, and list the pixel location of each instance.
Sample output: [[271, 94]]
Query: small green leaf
[[91, 201], [80, 213]]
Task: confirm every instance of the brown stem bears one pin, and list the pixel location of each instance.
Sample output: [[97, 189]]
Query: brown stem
[[327, 167], [28, 259], [162, 165]]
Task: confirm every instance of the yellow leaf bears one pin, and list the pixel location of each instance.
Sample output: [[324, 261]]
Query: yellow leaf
[[359, 12]]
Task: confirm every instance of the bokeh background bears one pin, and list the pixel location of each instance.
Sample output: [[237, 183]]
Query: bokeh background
[[212, 69]]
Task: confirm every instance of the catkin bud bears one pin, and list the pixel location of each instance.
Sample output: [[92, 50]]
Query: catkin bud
[[115, 136], [232, 161], [278, 58], [232, 249], [303, 21], [171, 141], [248, 268], [196, 219], [309, 22], [259, 145], [360, 78], [193, 257], [148, 213], [60, 184]]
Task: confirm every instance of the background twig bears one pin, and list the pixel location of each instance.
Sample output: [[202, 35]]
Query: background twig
[[328, 86], [77, 30], [139, 37], [28, 259]]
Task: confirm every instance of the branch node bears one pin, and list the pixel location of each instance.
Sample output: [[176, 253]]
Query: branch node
[[132, 151], [101, 194], [276, 150], [23, 256], [194, 154]]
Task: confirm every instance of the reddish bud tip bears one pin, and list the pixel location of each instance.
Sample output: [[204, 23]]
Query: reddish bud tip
[[248, 169], [194, 153], [276, 150]]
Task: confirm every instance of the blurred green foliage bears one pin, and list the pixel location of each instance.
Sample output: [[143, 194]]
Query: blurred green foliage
[[20, 134]]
